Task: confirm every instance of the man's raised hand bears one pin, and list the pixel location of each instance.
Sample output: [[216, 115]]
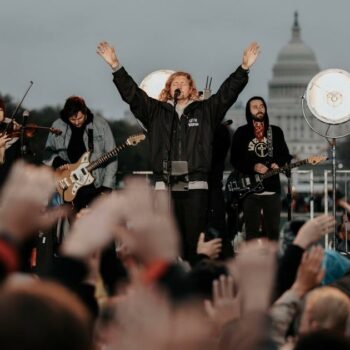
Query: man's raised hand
[[250, 55], [107, 52]]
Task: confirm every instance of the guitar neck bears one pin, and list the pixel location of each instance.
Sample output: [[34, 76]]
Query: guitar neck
[[284, 168], [106, 157]]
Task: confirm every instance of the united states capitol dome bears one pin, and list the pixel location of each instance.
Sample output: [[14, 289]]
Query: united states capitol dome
[[296, 65]]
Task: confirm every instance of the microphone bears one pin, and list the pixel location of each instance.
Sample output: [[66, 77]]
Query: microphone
[[177, 93], [25, 114]]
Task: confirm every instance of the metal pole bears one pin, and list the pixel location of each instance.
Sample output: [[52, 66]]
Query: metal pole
[[334, 188], [326, 203], [312, 199]]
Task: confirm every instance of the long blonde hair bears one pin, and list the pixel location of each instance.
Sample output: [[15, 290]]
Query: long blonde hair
[[165, 93]]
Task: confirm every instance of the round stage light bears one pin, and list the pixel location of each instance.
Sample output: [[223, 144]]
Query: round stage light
[[328, 96], [154, 82]]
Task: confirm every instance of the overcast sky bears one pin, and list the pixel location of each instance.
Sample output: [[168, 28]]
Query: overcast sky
[[53, 42]]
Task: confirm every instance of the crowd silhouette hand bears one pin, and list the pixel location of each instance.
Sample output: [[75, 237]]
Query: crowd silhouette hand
[[136, 215], [313, 230], [211, 248], [153, 233], [255, 266], [310, 271], [94, 228], [250, 55], [225, 305], [107, 52], [344, 204], [24, 199]]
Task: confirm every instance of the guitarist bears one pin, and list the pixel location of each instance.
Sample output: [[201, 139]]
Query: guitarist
[[258, 147], [82, 131]]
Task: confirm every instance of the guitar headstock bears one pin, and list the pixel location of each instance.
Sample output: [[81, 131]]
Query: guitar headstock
[[135, 139], [316, 159]]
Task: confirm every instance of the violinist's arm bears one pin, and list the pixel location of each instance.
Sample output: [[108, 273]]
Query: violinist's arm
[[3, 139]]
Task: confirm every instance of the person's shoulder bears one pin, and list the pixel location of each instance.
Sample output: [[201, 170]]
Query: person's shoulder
[[59, 123], [242, 129], [276, 129], [99, 120]]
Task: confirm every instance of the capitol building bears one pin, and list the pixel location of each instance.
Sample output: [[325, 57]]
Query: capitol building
[[296, 65]]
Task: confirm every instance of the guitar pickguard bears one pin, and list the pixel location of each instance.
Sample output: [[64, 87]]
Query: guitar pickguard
[[70, 181]]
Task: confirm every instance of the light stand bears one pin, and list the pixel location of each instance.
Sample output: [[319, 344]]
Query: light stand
[[328, 99]]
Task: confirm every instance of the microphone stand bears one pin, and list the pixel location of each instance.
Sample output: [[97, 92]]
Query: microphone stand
[[169, 163], [288, 173], [22, 134]]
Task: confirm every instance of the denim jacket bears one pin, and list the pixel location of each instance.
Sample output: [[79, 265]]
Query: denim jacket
[[103, 142]]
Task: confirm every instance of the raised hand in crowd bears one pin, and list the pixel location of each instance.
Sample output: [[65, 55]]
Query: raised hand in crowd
[[225, 305], [211, 248], [94, 228], [107, 52], [24, 199], [313, 230], [344, 204], [137, 215], [183, 327], [152, 233], [250, 55], [255, 266], [310, 272]]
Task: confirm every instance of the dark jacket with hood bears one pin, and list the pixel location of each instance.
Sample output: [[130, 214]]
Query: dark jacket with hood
[[246, 150], [193, 137]]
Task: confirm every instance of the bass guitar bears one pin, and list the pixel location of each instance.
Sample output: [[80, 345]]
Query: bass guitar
[[238, 185], [79, 174]]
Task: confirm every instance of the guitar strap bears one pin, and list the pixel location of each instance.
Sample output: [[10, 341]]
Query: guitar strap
[[91, 140], [269, 142]]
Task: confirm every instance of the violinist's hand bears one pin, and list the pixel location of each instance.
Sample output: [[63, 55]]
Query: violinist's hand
[[4, 139], [274, 166], [16, 126]]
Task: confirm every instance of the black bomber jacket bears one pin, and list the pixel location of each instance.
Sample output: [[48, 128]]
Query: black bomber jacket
[[193, 136]]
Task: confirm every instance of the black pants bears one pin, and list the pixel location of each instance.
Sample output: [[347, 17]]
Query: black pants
[[190, 209], [271, 208], [217, 218]]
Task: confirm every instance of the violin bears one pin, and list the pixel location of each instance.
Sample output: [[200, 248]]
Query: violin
[[15, 130]]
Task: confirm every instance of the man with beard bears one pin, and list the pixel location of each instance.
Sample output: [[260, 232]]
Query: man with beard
[[258, 147], [82, 131]]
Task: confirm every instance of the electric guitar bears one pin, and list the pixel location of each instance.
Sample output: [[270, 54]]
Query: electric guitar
[[239, 185], [79, 174]]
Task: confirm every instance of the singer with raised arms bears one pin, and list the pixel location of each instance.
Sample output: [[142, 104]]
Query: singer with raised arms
[[181, 146]]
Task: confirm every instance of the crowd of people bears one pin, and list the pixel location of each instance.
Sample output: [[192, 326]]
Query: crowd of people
[[151, 299], [138, 267]]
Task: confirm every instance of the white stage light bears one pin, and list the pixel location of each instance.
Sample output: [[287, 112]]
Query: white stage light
[[328, 96], [154, 82]]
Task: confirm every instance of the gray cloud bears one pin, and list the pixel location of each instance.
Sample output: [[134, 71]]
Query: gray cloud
[[53, 42]]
